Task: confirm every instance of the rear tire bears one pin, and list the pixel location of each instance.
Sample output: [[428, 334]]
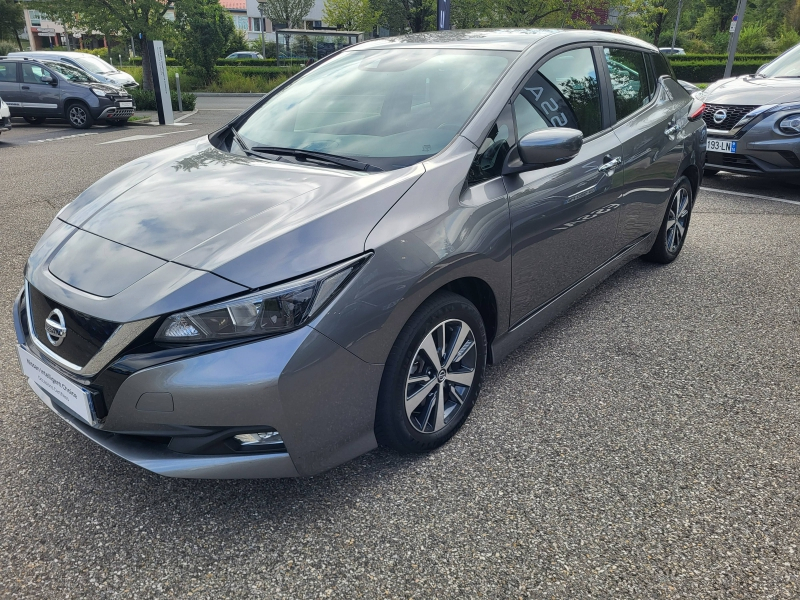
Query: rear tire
[[710, 172], [433, 375], [79, 116], [34, 120], [675, 226]]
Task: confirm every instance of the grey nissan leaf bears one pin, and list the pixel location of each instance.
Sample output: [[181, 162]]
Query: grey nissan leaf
[[334, 269]]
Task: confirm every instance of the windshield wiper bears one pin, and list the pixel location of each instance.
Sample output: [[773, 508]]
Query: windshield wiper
[[299, 154]]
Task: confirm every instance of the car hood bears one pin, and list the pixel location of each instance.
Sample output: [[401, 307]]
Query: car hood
[[248, 221], [753, 91], [108, 89]]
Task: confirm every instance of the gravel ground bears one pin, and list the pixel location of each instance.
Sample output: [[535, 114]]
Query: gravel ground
[[645, 445]]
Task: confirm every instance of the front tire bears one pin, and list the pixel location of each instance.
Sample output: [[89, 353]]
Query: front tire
[[675, 225], [79, 116], [433, 375]]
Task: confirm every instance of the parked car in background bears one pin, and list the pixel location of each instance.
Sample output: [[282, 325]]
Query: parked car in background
[[669, 51], [41, 89], [754, 120], [5, 116], [335, 267], [244, 55], [96, 66]]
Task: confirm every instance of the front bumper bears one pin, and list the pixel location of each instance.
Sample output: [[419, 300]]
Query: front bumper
[[317, 395], [116, 112], [761, 149]]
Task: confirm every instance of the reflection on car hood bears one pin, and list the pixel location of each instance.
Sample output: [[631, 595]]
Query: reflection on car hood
[[108, 89], [251, 221], [753, 91]]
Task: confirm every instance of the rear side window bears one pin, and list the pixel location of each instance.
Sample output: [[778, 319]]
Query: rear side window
[[8, 72], [629, 80], [662, 66], [564, 92]]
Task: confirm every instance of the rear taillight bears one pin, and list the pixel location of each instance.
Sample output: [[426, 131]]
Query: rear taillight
[[697, 112]]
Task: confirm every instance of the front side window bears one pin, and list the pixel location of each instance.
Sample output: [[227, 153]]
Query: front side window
[[33, 73], [629, 80], [389, 108], [564, 92]]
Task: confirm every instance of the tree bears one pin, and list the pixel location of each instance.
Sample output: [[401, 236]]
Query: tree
[[142, 19], [350, 15], [12, 19], [290, 12], [206, 29]]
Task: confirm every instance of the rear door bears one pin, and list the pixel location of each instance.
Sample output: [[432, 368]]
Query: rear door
[[649, 119], [9, 87], [39, 99], [563, 218]]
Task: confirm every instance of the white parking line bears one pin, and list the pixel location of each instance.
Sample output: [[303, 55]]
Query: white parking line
[[745, 195], [136, 138], [64, 137]]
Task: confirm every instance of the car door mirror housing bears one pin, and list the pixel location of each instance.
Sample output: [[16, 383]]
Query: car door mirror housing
[[48, 79], [545, 148]]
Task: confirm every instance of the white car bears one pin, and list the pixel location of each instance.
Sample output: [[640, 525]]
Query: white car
[[5, 116], [90, 63], [670, 50]]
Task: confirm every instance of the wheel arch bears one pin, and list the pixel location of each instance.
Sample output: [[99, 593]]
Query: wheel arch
[[692, 173], [481, 294]]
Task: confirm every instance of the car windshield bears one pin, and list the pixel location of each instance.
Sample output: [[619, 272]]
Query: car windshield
[[389, 108], [93, 64], [70, 73], [786, 65]]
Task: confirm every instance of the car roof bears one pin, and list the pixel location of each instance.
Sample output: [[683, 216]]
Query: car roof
[[497, 39], [44, 53]]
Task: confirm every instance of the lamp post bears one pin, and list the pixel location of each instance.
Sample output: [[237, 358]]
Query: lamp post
[[261, 4]]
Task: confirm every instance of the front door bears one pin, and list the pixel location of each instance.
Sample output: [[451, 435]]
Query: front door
[[9, 87], [563, 218], [39, 99]]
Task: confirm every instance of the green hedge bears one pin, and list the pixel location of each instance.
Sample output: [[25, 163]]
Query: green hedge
[[146, 99], [137, 60], [709, 70], [262, 71]]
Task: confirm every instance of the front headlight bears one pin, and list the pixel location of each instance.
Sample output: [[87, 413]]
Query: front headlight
[[98, 92], [790, 124], [275, 310]]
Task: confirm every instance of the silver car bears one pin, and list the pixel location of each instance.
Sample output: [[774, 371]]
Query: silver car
[[94, 65], [754, 120], [335, 268]]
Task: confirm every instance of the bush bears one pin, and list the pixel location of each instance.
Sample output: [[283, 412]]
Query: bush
[[232, 81], [146, 99], [707, 71], [261, 71], [257, 62], [6, 47], [788, 37]]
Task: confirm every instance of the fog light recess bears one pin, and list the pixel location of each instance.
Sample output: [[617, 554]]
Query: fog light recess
[[259, 441]]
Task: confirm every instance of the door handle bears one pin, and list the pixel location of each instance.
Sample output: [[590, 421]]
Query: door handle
[[670, 131], [26, 87], [609, 165]]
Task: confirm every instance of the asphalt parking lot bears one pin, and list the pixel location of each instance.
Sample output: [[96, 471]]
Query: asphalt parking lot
[[644, 445]]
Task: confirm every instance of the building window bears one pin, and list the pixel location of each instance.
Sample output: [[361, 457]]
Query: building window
[[36, 17], [241, 23], [255, 24]]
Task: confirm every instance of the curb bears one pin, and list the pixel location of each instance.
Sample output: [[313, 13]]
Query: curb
[[143, 121], [221, 95]]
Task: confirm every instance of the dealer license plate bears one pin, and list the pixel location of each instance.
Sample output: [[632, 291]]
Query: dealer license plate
[[126, 104], [67, 393], [727, 146]]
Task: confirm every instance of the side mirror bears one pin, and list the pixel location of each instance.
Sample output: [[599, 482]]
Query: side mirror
[[47, 79], [547, 147]]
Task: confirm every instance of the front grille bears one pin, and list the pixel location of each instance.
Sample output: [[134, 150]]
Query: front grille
[[734, 114], [121, 113], [85, 334]]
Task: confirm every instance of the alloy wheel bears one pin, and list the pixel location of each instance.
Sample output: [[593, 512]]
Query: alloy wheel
[[677, 220], [77, 116], [441, 376]]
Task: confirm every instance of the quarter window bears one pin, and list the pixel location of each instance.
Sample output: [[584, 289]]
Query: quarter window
[[662, 66], [563, 93], [629, 80]]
